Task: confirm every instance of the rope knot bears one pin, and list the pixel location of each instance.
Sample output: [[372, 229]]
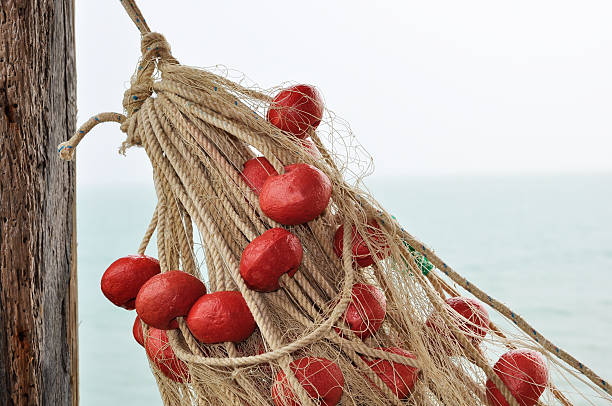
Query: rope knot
[[154, 45], [237, 373], [155, 50]]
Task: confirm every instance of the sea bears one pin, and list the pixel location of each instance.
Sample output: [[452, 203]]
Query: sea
[[540, 243]]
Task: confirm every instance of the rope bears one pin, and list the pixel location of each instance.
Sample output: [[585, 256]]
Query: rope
[[148, 234], [67, 148], [134, 12]]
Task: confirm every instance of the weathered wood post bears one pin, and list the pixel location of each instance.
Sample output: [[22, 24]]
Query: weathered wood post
[[38, 340]]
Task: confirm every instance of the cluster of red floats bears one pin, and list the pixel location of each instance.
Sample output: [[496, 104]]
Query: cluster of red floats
[[298, 196]]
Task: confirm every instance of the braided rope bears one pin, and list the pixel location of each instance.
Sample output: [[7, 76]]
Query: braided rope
[[134, 12], [148, 234], [67, 148]]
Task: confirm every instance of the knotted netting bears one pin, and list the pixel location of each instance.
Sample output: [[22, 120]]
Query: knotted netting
[[198, 129]]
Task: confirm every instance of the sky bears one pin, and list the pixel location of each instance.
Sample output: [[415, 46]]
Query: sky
[[428, 87]]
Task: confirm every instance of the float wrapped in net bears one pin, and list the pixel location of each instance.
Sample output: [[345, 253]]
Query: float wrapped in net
[[353, 309]]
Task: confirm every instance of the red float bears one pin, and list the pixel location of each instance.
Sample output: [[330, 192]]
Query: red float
[[309, 146], [123, 279], [220, 317], [361, 253], [525, 374], [167, 296], [298, 196], [137, 331], [474, 320], [321, 378], [400, 378], [366, 312], [256, 171], [268, 257], [296, 110], [161, 354]]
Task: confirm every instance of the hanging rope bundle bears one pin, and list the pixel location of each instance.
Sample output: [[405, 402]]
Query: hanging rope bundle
[[315, 294]]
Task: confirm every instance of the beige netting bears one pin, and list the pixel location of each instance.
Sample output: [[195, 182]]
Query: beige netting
[[198, 128]]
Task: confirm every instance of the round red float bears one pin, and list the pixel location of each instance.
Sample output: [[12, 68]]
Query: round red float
[[525, 374], [123, 279], [137, 331], [309, 146], [161, 354], [366, 312], [298, 196], [473, 319], [167, 296], [256, 171], [220, 317], [268, 257], [296, 110], [361, 253], [321, 378], [398, 377]]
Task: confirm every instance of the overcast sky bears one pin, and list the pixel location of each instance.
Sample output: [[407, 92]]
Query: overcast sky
[[429, 87]]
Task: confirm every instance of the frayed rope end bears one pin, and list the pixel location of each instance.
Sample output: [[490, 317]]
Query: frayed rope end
[[65, 151]]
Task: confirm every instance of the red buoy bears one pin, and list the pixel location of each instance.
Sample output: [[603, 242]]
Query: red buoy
[[123, 279], [137, 331], [472, 318], [167, 296], [161, 354], [268, 257], [398, 377], [309, 146], [219, 317], [361, 253], [298, 196], [525, 374], [296, 110], [256, 171], [321, 378], [366, 312]]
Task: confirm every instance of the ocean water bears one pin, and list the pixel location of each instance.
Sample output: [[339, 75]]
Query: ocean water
[[542, 244]]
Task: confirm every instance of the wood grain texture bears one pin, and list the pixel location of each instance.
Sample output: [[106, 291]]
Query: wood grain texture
[[37, 261]]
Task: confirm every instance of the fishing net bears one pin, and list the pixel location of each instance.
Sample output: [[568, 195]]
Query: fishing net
[[413, 346]]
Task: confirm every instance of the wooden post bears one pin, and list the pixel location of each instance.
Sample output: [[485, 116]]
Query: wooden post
[[38, 336]]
